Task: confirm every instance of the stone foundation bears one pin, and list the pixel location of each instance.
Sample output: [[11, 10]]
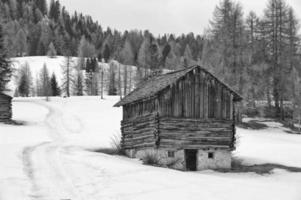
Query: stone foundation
[[221, 159], [209, 158]]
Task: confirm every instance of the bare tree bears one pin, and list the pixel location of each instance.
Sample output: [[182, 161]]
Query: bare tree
[[119, 81], [101, 82], [45, 86], [68, 79]]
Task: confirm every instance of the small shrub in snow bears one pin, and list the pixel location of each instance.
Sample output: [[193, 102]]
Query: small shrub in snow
[[116, 144], [152, 158], [115, 148]]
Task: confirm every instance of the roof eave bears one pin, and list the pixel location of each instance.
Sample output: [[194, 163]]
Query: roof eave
[[6, 95], [237, 97], [133, 102]]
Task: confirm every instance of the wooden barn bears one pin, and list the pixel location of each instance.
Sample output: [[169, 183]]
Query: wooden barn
[[187, 115], [5, 107]]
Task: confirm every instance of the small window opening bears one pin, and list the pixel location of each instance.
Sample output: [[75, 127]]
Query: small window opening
[[211, 155], [171, 154]]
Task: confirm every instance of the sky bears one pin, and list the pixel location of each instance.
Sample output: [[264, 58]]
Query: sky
[[160, 16]]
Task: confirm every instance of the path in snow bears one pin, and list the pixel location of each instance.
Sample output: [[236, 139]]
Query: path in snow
[[60, 169], [43, 162]]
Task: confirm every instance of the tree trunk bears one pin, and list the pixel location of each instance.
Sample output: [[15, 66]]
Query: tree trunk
[[119, 81], [130, 81], [125, 79], [68, 78], [102, 83]]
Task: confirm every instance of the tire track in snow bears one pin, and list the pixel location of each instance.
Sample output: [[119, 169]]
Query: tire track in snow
[[43, 163]]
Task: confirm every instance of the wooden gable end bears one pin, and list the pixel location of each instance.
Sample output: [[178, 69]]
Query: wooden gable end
[[196, 95]]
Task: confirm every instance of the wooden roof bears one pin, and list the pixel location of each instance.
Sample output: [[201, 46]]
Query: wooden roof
[[6, 94], [156, 84]]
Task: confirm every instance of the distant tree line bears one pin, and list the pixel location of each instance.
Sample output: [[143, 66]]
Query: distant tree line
[[45, 85], [95, 79], [258, 56], [34, 28]]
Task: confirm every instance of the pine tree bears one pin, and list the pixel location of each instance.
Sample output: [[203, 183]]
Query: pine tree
[[25, 81], [21, 43], [144, 58], [106, 53], [126, 58], [79, 82], [91, 76], [42, 6], [13, 8], [68, 79], [45, 82], [165, 52], [227, 55], [54, 10], [295, 77], [101, 82], [126, 54], [33, 39], [45, 38], [55, 90], [155, 56], [276, 31], [10, 31], [172, 61], [37, 15], [119, 81], [86, 49], [112, 81], [187, 57], [51, 51], [5, 68]]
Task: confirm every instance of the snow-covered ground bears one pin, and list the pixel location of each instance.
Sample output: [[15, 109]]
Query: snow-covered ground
[[54, 65], [47, 158], [36, 63]]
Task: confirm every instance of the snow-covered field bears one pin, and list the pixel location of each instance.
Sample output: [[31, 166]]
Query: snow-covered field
[[47, 159]]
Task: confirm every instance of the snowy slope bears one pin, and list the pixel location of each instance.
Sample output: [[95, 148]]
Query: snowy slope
[[36, 63], [54, 65], [47, 159]]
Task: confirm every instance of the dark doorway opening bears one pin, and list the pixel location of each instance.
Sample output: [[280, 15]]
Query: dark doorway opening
[[191, 159]]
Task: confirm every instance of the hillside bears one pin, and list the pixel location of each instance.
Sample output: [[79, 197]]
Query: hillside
[[241, 49], [54, 65], [51, 157], [36, 63]]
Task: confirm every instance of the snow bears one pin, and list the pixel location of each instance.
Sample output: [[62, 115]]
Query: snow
[[49, 158], [36, 63], [271, 145], [54, 65], [13, 140]]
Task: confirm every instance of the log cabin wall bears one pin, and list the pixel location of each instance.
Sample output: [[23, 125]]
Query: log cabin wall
[[194, 112], [184, 133], [141, 132], [198, 96], [5, 108]]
